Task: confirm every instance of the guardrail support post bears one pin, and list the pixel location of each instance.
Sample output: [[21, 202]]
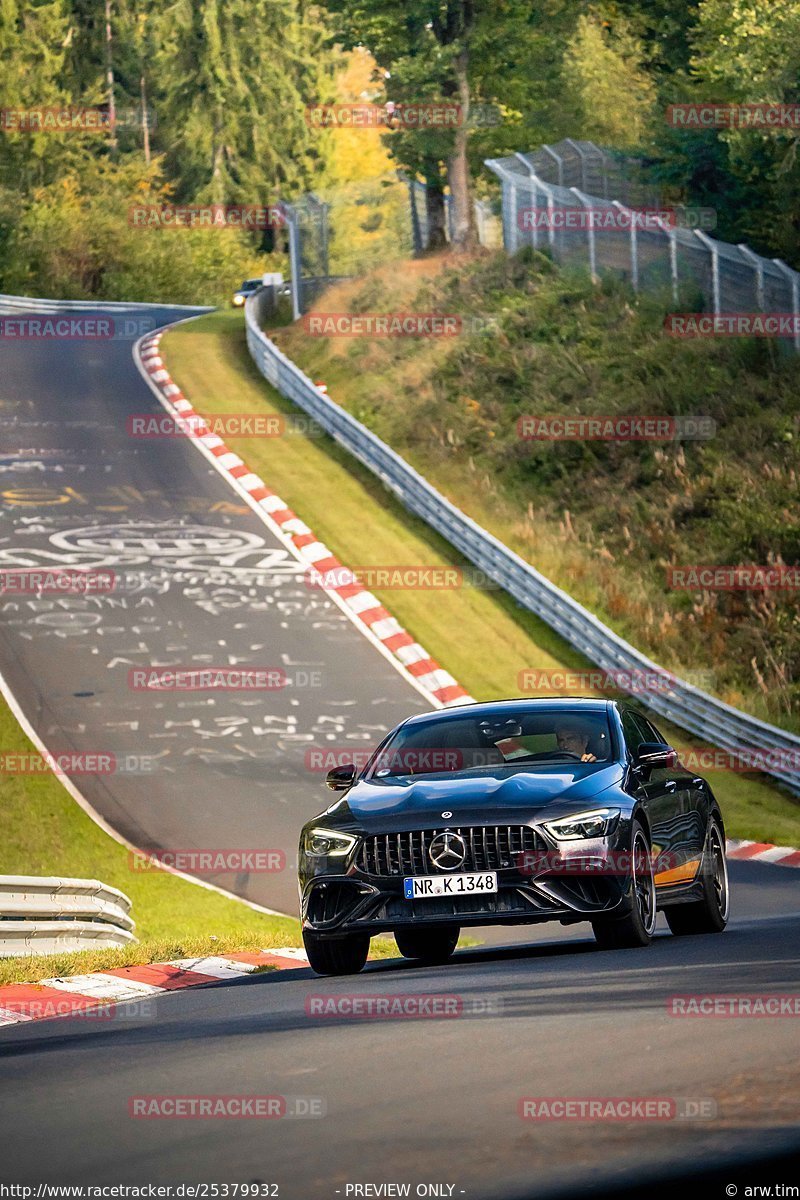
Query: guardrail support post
[[295, 260]]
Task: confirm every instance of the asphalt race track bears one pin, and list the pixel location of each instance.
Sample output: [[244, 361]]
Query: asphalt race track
[[408, 1100], [199, 581], [430, 1100]]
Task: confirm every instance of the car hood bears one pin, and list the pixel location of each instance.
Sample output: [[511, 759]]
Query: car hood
[[471, 796]]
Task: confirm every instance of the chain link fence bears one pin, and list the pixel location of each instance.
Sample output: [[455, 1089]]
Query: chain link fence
[[363, 226], [585, 205], [349, 232]]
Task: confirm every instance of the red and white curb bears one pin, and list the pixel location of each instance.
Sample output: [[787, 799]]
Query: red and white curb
[[782, 856], [102, 991], [361, 606]]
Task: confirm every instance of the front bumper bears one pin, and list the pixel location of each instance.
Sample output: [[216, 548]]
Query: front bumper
[[353, 902]]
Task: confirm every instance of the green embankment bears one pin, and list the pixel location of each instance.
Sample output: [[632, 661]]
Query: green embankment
[[481, 636]]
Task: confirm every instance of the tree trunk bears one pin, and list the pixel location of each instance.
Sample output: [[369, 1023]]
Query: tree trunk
[[145, 120], [112, 105], [435, 211], [463, 227], [217, 151]]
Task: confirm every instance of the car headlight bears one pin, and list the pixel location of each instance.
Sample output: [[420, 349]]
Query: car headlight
[[597, 823], [319, 843], [238, 301]]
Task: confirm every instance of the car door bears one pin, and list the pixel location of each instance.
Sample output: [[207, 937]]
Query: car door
[[664, 799], [687, 835]]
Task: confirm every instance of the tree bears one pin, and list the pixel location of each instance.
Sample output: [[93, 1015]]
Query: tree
[[33, 49], [423, 49], [238, 77], [749, 51], [613, 94]]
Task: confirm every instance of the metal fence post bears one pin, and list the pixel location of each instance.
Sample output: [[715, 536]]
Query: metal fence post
[[758, 263], [634, 244], [551, 228], [559, 162], [669, 232], [532, 178], [586, 204], [673, 261], [324, 230], [711, 246], [794, 281], [295, 261], [582, 157], [604, 161]]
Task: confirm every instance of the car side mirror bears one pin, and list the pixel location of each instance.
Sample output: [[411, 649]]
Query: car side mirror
[[339, 779], [655, 755]]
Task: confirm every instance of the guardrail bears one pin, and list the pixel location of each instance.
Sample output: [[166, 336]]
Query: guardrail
[[41, 305], [680, 702], [48, 915]]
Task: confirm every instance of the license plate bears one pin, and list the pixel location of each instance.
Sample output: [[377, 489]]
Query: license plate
[[419, 887]]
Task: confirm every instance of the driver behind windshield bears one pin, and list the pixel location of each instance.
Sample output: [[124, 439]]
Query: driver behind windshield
[[465, 743], [573, 738]]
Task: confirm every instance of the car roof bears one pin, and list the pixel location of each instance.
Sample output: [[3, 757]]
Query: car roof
[[589, 703]]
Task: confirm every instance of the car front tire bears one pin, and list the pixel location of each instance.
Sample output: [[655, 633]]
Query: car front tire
[[336, 956], [428, 946], [709, 914], [635, 929]]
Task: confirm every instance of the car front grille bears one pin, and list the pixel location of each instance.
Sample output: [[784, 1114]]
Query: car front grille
[[489, 848]]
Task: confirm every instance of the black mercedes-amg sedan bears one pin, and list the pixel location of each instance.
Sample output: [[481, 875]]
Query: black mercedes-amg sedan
[[509, 812]]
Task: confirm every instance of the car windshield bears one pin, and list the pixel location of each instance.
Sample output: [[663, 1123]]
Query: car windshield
[[531, 737]]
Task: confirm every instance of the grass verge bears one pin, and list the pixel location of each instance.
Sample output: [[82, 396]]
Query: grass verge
[[46, 833], [481, 636], [605, 520]]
